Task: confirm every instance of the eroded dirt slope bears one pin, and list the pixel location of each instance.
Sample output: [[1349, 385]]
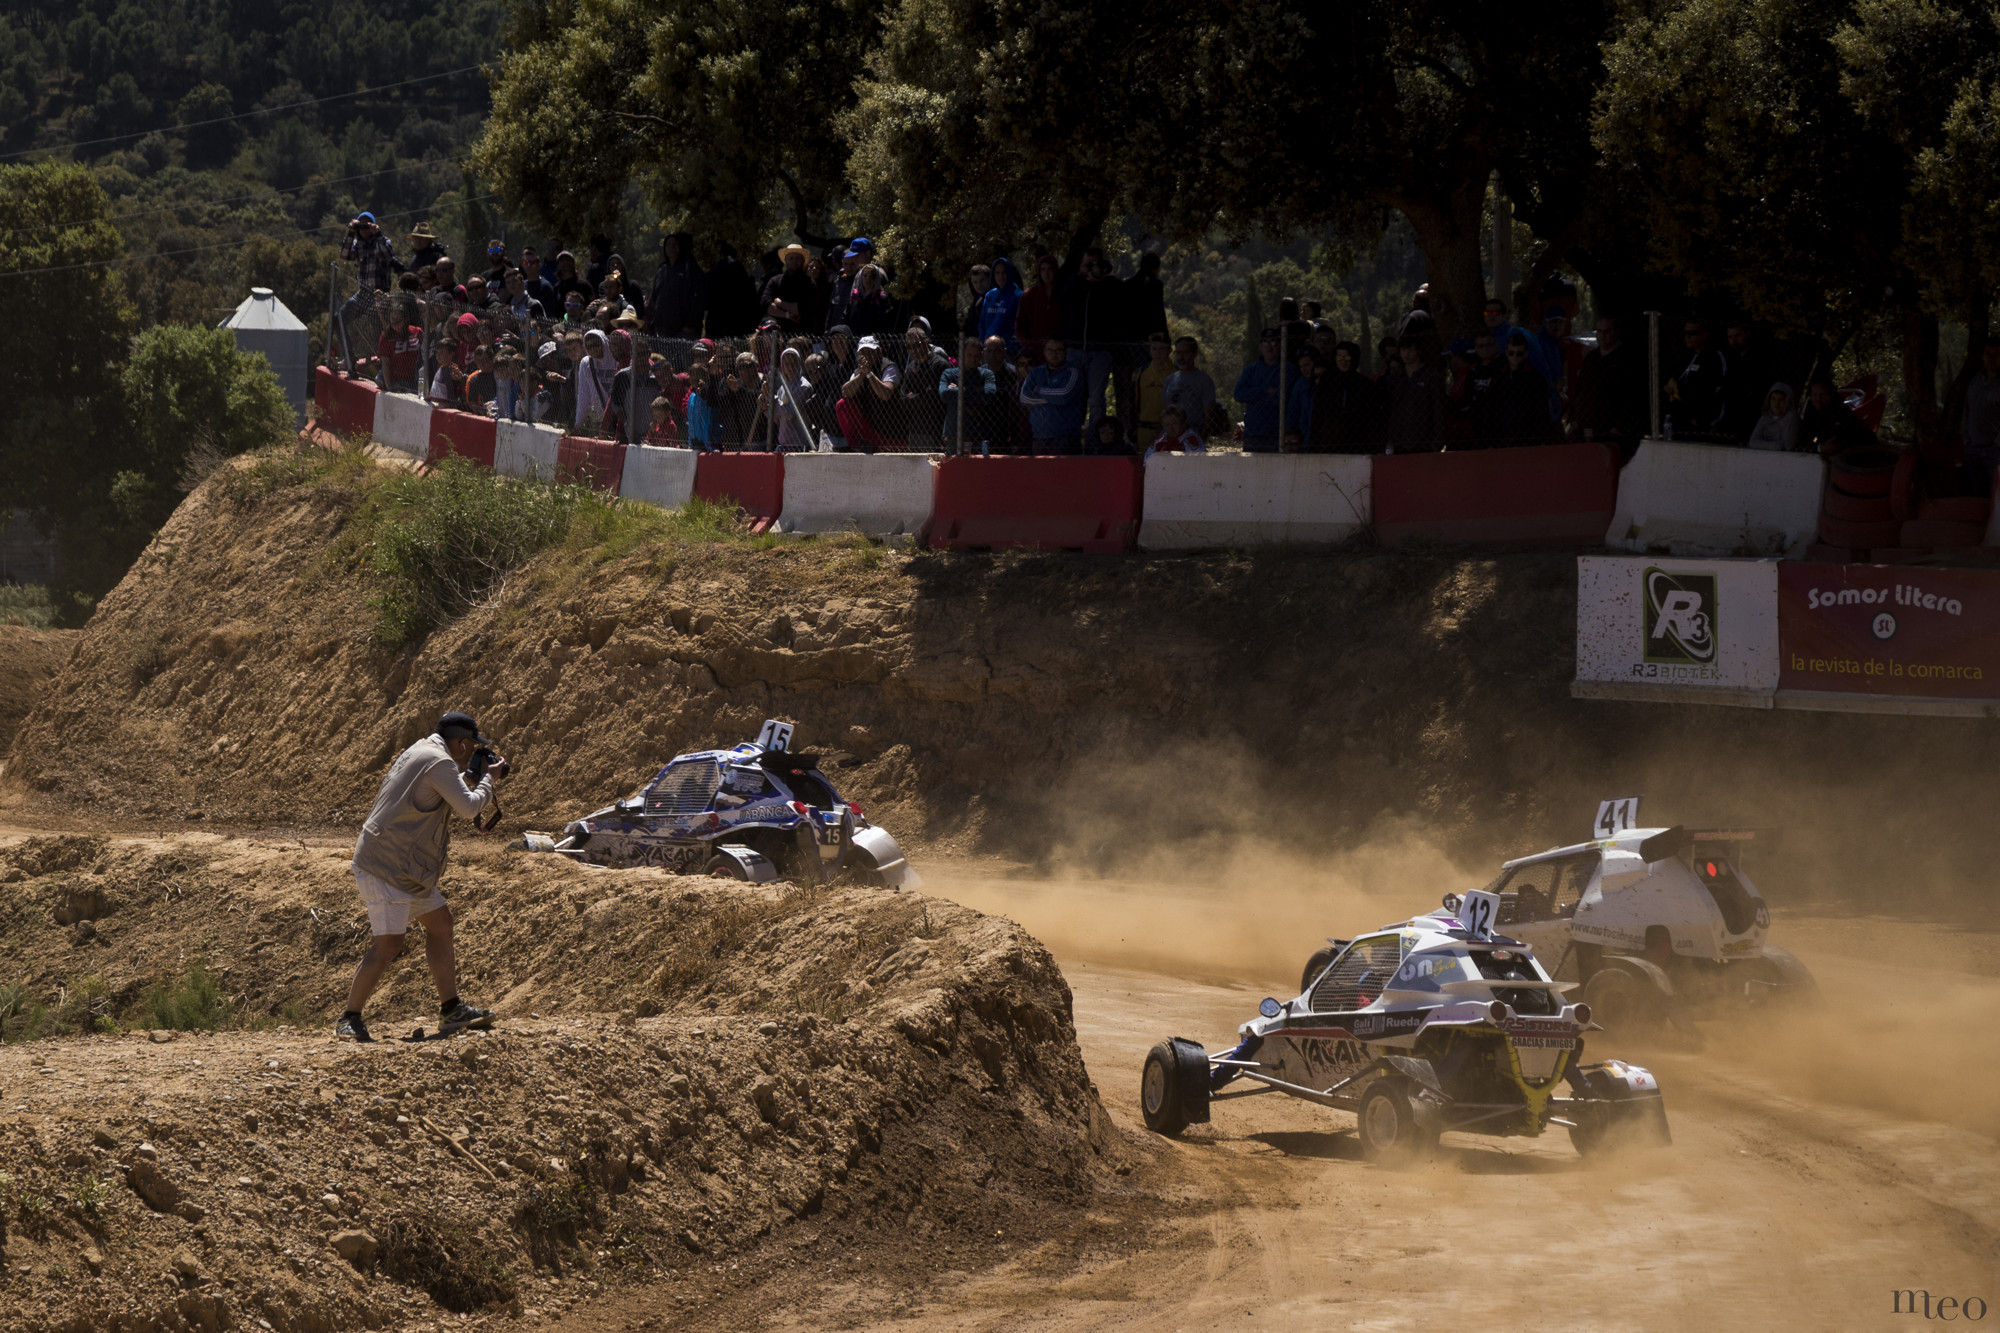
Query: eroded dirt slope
[[1051, 708], [683, 1070]]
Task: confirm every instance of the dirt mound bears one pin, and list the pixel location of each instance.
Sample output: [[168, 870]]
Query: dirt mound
[[682, 1068], [29, 659], [1071, 711]]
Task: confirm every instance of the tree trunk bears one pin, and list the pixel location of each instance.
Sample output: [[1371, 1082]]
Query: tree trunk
[[1977, 316], [1451, 237], [1920, 353]]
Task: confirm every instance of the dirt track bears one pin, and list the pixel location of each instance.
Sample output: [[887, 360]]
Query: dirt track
[[1779, 1205]]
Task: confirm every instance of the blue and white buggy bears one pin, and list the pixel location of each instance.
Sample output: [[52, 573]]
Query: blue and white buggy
[[757, 812]]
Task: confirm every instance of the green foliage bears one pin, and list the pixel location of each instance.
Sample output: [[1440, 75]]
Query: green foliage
[[88, 1193], [720, 111], [192, 400], [30, 606], [443, 543], [192, 1002], [1952, 222]]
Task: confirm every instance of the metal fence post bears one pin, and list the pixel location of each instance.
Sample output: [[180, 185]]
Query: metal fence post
[[1653, 367], [333, 310]]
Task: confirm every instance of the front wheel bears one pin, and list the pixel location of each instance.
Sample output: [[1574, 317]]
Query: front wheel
[[1173, 1089], [1387, 1124]]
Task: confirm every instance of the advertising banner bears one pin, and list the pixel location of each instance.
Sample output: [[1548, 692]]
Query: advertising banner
[[1889, 630], [1660, 627]]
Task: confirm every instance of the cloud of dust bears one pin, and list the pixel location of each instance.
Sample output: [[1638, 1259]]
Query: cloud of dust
[[1235, 910], [1913, 1042]]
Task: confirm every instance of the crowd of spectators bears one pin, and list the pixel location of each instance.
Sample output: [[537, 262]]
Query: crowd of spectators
[[814, 351]]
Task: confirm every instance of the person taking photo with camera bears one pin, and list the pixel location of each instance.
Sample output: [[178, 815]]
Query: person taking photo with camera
[[400, 854]]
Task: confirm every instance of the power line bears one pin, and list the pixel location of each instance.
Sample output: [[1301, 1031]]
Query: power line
[[243, 115], [217, 203], [218, 245]]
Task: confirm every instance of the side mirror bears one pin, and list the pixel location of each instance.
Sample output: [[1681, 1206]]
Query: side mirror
[[1450, 903], [1270, 1008]]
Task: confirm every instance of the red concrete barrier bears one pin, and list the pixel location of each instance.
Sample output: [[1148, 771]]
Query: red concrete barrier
[[462, 435], [346, 406], [599, 462], [1540, 495], [756, 482], [1088, 504]]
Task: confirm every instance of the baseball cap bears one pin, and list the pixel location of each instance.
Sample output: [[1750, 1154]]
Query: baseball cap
[[868, 340], [365, 217], [547, 349], [860, 245], [1268, 335], [460, 726]]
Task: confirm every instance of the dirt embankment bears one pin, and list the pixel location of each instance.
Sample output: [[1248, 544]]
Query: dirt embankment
[[685, 1070], [1056, 709], [29, 660]]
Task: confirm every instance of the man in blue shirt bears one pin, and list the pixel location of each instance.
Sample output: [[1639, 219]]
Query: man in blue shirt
[[1055, 398], [1257, 390]]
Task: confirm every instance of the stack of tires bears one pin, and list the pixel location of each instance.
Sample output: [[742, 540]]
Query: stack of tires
[[1931, 523], [1857, 509]]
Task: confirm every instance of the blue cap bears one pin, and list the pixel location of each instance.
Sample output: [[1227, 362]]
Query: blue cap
[[860, 245], [367, 217]]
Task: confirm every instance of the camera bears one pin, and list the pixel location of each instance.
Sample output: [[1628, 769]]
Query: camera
[[482, 758]]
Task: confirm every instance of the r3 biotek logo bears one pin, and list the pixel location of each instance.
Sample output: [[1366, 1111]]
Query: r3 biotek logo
[[1680, 617]]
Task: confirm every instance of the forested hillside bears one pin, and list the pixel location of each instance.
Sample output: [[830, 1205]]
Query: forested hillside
[[275, 150]]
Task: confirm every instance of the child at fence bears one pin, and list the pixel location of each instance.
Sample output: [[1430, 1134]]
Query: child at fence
[[448, 385], [510, 399], [1175, 435], [480, 384], [662, 435]]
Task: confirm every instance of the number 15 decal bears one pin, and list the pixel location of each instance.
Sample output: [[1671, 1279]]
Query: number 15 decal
[[1615, 816]]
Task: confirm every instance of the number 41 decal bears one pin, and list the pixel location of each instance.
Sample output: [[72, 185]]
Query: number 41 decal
[[1615, 816]]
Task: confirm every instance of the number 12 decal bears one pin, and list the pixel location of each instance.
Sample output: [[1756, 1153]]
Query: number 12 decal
[[1477, 911]]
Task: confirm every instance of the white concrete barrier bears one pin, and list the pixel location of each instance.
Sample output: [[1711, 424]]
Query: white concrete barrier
[[1713, 499], [403, 423], [522, 450], [883, 495], [664, 477], [1201, 500]]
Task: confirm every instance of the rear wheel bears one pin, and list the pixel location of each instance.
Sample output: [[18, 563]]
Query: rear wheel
[[724, 867], [1621, 1002], [1315, 966], [1387, 1125], [1619, 1126]]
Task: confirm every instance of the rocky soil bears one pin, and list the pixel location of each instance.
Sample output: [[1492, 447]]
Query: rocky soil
[[686, 1074], [29, 659]]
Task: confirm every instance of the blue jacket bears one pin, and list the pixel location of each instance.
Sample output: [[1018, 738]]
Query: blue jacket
[[996, 311], [701, 426], [1257, 390], [1298, 407], [1055, 400]]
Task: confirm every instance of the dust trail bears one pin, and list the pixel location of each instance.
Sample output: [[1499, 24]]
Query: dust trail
[[1245, 912]]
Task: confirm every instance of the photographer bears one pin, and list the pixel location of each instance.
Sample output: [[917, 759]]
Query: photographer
[[401, 853], [374, 256]]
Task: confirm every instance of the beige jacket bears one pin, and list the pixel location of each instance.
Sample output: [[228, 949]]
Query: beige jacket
[[406, 836]]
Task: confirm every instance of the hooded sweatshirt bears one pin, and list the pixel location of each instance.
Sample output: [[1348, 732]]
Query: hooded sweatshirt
[[996, 312], [1779, 432], [594, 377]]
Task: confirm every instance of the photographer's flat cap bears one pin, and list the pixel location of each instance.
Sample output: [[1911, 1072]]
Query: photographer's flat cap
[[460, 726]]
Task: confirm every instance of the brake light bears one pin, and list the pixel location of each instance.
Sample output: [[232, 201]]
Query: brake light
[[799, 808], [855, 806], [1711, 870]]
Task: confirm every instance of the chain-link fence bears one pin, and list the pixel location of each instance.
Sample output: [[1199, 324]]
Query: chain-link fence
[[592, 369]]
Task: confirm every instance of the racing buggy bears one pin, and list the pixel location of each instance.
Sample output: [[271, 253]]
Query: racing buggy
[[757, 812], [1433, 1024], [1654, 923]]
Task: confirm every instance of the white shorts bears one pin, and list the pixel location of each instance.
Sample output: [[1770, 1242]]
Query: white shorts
[[390, 910]]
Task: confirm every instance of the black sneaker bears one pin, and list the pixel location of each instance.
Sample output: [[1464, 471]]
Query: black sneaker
[[351, 1029], [463, 1016]]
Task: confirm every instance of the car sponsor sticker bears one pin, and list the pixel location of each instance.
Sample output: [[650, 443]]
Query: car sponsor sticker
[[762, 812], [1374, 1027]]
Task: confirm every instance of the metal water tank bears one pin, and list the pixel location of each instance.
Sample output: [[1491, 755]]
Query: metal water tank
[[263, 324]]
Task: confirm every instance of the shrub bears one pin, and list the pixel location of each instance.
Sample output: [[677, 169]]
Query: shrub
[[443, 543], [194, 1003]]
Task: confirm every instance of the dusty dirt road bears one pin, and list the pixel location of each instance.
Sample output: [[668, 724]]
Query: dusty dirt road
[[1817, 1166]]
